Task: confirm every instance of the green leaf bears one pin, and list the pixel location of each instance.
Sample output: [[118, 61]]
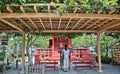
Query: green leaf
[[1, 2]]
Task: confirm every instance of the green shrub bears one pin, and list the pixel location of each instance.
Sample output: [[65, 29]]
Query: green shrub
[[1, 68], [8, 67], [105, 60], [1, 55], [1, 58]]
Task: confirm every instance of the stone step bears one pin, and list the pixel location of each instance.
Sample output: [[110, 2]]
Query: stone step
[[68, 72]]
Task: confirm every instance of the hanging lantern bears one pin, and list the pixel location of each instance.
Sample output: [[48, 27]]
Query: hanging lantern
[[4, 40]]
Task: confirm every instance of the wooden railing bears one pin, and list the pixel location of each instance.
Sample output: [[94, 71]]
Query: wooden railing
[[49, 63], [35, 69]]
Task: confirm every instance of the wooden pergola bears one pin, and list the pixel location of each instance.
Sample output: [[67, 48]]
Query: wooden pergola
[[45, 20]]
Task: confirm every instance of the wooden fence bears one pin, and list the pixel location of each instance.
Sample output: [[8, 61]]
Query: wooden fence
[[35, 69]]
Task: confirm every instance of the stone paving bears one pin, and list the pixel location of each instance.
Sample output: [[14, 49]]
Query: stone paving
[[107, 69], [68, 72]]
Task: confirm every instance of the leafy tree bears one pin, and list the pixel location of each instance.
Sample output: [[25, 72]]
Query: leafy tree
[[108, 40], [30, 39], [87, 6], [84, 39], [42, 41]]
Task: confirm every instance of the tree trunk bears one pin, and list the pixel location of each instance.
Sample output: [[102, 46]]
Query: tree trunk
[[91, 40], [31, 39], [27, 52], [106, 55]]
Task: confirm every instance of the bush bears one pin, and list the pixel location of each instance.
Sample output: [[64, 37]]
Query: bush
[[1, 58], [6, 68], [1, 68], [105, 60], [1, 55]]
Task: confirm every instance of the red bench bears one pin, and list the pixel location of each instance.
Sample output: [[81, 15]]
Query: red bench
[[49, 64], [86, 60], [80, 64]]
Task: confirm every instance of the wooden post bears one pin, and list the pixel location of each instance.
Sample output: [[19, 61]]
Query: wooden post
[[99, 52], [23, 52]]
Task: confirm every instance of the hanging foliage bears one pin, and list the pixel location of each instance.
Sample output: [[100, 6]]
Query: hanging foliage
[[89, 6], [64, 35]]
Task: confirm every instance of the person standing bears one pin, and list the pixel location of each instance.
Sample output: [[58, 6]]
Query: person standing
[[61, 55], [66, 54]]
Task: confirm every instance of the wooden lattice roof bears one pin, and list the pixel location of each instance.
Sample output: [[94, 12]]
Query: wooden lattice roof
[[45, 20]]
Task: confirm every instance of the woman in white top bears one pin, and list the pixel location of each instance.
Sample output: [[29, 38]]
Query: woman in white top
[[66, 58]]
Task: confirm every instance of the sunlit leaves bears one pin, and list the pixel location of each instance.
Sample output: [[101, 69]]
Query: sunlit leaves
[[90, 6]]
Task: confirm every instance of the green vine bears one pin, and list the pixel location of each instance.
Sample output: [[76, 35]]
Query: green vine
[[64, 35], [89, 6]]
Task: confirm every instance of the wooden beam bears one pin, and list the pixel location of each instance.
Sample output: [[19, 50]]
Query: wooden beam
[[65, 15], [11, 24], [92, 24], [9, 31], [35, 9], [117, 6], [8, 8], [112, 31], [4, 26], [99, 11], [59, 24], [37, 4], [23, 52], [75, 11], [24, 23], [112, 11], [99, 24], [109, 25], [85, 24], [76, 24], [33, 24], [14, 22], [48, 8], [51, 24], [68, 23], [42, 23], [66, 31], [22, 9], [55, 21], [46, 4]]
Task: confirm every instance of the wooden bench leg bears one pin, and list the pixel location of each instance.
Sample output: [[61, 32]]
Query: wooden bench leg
[[75, 65], [54, 64]]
